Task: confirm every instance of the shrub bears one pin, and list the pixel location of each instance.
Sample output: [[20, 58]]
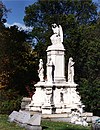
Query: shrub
[[9, 100]]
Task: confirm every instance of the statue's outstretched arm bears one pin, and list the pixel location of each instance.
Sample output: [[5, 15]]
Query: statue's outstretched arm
[[61, 33]]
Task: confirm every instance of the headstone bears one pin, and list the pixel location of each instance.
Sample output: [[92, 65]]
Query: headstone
[[35, 120], [12, 116], [22, 117], [34, 123]]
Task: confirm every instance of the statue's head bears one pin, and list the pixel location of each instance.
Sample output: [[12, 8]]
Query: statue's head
[[41, 60], [70, 58], [54, 25]]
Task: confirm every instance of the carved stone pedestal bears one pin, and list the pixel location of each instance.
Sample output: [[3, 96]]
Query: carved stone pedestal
[[48, 110], [55, 98]]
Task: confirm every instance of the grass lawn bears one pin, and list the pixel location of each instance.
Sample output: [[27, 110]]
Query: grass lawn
[[49, 125], [5, 125], [46, 125]]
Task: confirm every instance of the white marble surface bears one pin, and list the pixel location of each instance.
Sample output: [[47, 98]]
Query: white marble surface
[[41, 71], [55, 92]]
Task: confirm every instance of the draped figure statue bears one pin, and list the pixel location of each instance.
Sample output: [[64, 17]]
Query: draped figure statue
[[41, 70], [50, 70], [71, 70]]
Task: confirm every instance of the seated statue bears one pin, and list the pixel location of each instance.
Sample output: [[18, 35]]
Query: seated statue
[[57, 37]]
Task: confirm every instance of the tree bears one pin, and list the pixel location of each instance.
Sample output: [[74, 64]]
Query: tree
[[79, 21], [18, 68], [3, 12], [17, 61], [90, 81]]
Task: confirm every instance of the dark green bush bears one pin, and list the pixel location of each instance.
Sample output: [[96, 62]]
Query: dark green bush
[[9, 100]]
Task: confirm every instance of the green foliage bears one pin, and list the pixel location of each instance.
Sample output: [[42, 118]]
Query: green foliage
[[9, 100], [17, 59], [90, 93], [89, 78]]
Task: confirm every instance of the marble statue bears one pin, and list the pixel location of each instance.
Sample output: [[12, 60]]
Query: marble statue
[[50, 70], [55, 95], [41, 70], [71, 70], [57, 37], [77, 119]]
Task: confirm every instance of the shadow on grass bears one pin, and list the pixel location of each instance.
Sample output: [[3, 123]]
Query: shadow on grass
[[63, 128], [44, 127]]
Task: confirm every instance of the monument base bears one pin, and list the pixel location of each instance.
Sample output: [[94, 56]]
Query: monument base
[[35, 108], [51, 97], [48, 110]]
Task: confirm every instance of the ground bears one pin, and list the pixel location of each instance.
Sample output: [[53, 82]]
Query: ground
[[46, 125]]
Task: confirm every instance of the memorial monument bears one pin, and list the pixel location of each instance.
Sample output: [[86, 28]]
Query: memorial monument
[[55, 94]]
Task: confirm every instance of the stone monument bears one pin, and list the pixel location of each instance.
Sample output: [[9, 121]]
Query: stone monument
[[56, 95]]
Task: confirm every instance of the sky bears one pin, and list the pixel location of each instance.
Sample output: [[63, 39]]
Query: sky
[[18, 10], [15, 17]]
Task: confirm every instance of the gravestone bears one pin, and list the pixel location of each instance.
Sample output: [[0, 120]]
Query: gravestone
[[34, 123], [22, 117], [12, 116], [35, 120]]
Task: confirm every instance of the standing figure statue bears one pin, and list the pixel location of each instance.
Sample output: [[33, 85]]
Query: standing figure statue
[[50, 70], [71, 70], [41, 70], [57, 37]]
